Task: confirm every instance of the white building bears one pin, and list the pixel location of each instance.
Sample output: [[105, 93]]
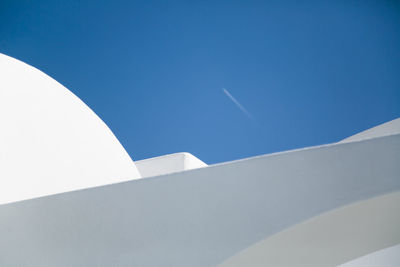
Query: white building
[[70, 195]]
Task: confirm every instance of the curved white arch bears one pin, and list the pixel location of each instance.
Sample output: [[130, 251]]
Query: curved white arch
[[330, 239], [50, 141]]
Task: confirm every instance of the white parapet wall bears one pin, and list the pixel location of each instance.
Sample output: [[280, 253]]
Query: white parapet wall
[[171, 163], [201, 217]]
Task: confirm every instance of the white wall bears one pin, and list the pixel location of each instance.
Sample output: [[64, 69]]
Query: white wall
[[388, 257], [198, 217], [330, 239], [166, 164]]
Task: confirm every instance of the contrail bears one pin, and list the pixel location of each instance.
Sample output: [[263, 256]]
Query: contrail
[[238, 104]]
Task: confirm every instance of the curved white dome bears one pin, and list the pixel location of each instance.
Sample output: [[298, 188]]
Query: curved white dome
[[50, 141]]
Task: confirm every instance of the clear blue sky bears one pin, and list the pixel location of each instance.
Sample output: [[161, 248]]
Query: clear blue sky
[[309, 72]]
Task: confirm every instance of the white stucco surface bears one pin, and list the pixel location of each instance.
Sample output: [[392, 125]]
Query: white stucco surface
[[171, 163], [50, 141], [198, 217]]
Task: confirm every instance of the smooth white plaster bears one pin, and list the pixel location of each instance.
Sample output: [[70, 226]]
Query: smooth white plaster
[[197, 217], [168, 164], [50, 141], [388, 257], [329, 239]]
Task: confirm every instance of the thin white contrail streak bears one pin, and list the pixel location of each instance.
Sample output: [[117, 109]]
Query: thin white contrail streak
[[238, 104]]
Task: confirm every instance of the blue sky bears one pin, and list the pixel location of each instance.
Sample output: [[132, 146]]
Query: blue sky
[[308, 72]]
